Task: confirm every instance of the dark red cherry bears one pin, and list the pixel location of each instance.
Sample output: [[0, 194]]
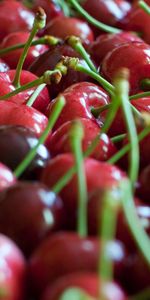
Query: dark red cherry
[[16, 142], [133, 56], [12, 270], [51, 8], [107, 42], [60, 140], [65, 253], [14, 114], [14, 16], [12, 57], [80, 98], [3, 66], [39, 213], [63, 27], [6, 177], [89, 283], [144, 186], [49, 60]]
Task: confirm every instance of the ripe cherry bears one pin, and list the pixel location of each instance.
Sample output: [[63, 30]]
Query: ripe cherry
[[6, 177]]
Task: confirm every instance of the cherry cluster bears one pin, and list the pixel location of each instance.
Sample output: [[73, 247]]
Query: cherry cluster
[[75, 150]]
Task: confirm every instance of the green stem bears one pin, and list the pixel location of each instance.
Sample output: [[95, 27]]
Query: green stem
[[118, 138], [35, 94], [53, 118], [75, 294], [127, 147], [97, 111], [76, 136], [76, 44], [140, 95], [46, 40], [123, 86], [108, 221], [144, 6], [91, 20], [145, 84], [55, 75], [39, 23], [139, 234]]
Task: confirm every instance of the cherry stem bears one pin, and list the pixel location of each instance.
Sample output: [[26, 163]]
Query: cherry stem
[[123, 87], [52, 120], [39, 23], [35, 94], [139, 95], [144, 295], [144, 6], [138, 232], [145, 84], [127, 147], [48, 77], [118, 138], [76, 44], [96, 111], [46, 40], [75, 294], [76, 136], [108, 220], [91, 20]]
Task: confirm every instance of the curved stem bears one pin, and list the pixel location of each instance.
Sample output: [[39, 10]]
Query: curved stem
[[118, 138], [76, 136], [39, 23], [52, 120], [91, 20], [35, 94], [140, 95], [144, 6], [96, 111]]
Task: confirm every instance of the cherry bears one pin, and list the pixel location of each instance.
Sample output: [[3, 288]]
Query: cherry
[[12, 270], [39, 213], [87, 282], [14, 114], [107, 42], [12, 58], [51, 8], [49, 61], [13, 19], [143, 189], [60, 140], [48, 262], [108, 176], [21, 140], [64, 26], [3, 66], [80, 98], [135, 57], [6, 177]]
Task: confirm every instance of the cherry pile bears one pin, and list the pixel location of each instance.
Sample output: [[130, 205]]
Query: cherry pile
[[75, 150]]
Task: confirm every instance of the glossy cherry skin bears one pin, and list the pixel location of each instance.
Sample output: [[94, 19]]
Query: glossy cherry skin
[[133, 56], [134, 21], [98, 174], [12, 57], [3, 66], [51, 8], [143, 189], [14, 16], [6, 83], [107, 42], [40, 212], [63, 27], [65, 253], [16, 142], [49, 60], [6, 177], [12, 270], [14, 114], [59, 141], [89, 283], [80, 98]]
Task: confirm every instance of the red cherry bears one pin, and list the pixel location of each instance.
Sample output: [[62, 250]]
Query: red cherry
[[48, 262], [40, 212], [12, 58], [64, 26], [87, 282], [6, 82], [12, 270], [133, 56], [14, 16], [51, 8], [14, 114], [144, 187], [6, 177], [80, 98], [60, 140]]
